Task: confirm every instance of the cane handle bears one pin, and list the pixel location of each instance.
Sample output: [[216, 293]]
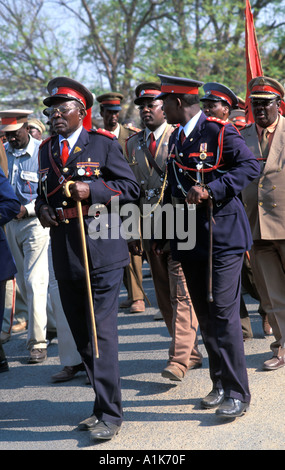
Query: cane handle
[[66, 188]]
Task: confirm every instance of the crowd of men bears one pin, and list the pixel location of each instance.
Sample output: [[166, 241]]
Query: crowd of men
[[223, 179]]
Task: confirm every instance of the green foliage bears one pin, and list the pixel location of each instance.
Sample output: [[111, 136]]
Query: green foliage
[[115, 44], [30, 53]]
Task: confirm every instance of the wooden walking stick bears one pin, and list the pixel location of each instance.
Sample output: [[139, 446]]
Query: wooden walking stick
[[86, 265]]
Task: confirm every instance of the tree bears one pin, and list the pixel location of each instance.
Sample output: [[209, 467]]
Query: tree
[[112, 31], [130, 41], [30, 54], [115, 44]]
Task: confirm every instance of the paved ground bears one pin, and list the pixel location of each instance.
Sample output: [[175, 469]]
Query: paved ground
[[36, 414]]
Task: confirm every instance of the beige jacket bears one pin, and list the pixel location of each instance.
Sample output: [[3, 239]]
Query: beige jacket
[[3, 159], [124, 134], [264, 198], [147, 177]]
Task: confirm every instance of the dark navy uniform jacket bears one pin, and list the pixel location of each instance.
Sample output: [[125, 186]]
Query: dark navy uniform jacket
[[9, 208], [228, 167], [96, 158]]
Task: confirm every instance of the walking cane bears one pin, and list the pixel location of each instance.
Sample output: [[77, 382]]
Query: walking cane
[[210, 266], [90, 299]]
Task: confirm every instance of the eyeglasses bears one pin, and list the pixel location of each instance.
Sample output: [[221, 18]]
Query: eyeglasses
[[149, 106], [255, 102], [60, 109]]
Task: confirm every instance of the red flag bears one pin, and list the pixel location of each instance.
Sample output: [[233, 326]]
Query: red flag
[[253, 62], [87, 121], [282, 108]]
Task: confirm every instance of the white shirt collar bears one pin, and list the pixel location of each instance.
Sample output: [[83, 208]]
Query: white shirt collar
[[72, 139], [27, 150], [188, 128], [157, 133]]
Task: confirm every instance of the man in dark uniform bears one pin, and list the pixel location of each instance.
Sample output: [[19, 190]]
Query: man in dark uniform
[[209, 165], [9, 208], [110, 107], [218, 100], [100, 174]]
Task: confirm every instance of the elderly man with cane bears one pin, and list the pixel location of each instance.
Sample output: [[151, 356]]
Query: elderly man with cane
[[80, 169]]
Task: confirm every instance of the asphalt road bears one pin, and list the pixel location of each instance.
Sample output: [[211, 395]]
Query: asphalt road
[[160, 415]]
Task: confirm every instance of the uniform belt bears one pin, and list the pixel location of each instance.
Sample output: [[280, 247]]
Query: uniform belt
[[70, 213]]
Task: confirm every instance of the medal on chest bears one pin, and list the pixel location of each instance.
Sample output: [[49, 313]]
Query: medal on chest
[[203, 151], [88, 169]]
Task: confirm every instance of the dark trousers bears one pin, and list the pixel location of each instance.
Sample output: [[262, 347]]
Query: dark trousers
[[220, 321], [103, 371], [2, 301]]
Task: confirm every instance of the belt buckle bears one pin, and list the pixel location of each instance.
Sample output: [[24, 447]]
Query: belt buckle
[[60, 214]]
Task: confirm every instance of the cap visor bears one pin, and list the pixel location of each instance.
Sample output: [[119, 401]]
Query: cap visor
[[161, 96], [11, 127], [112, 108], [50, 100]]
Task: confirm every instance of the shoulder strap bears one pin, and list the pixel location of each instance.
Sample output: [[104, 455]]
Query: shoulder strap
[[126, 144], [150, 158]]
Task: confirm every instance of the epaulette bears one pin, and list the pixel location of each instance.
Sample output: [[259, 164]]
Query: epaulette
[[105, 133], [219, 121], [131, 128]]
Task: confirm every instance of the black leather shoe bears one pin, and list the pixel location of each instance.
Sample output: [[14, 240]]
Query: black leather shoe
[[214, 398], [88, 424], [232, 408], [67, 373], [37, 356], [4, 366], [104, 430]]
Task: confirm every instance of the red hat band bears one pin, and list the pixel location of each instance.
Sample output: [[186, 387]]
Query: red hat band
[[70, 92], [223, 96], [117, 102], [9, 121], [261, 88], [183, 90], [150, 92]]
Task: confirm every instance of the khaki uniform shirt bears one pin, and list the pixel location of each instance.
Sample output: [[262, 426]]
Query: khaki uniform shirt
[[149, 180], [123, 133], [3, 159], [264, 198]]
